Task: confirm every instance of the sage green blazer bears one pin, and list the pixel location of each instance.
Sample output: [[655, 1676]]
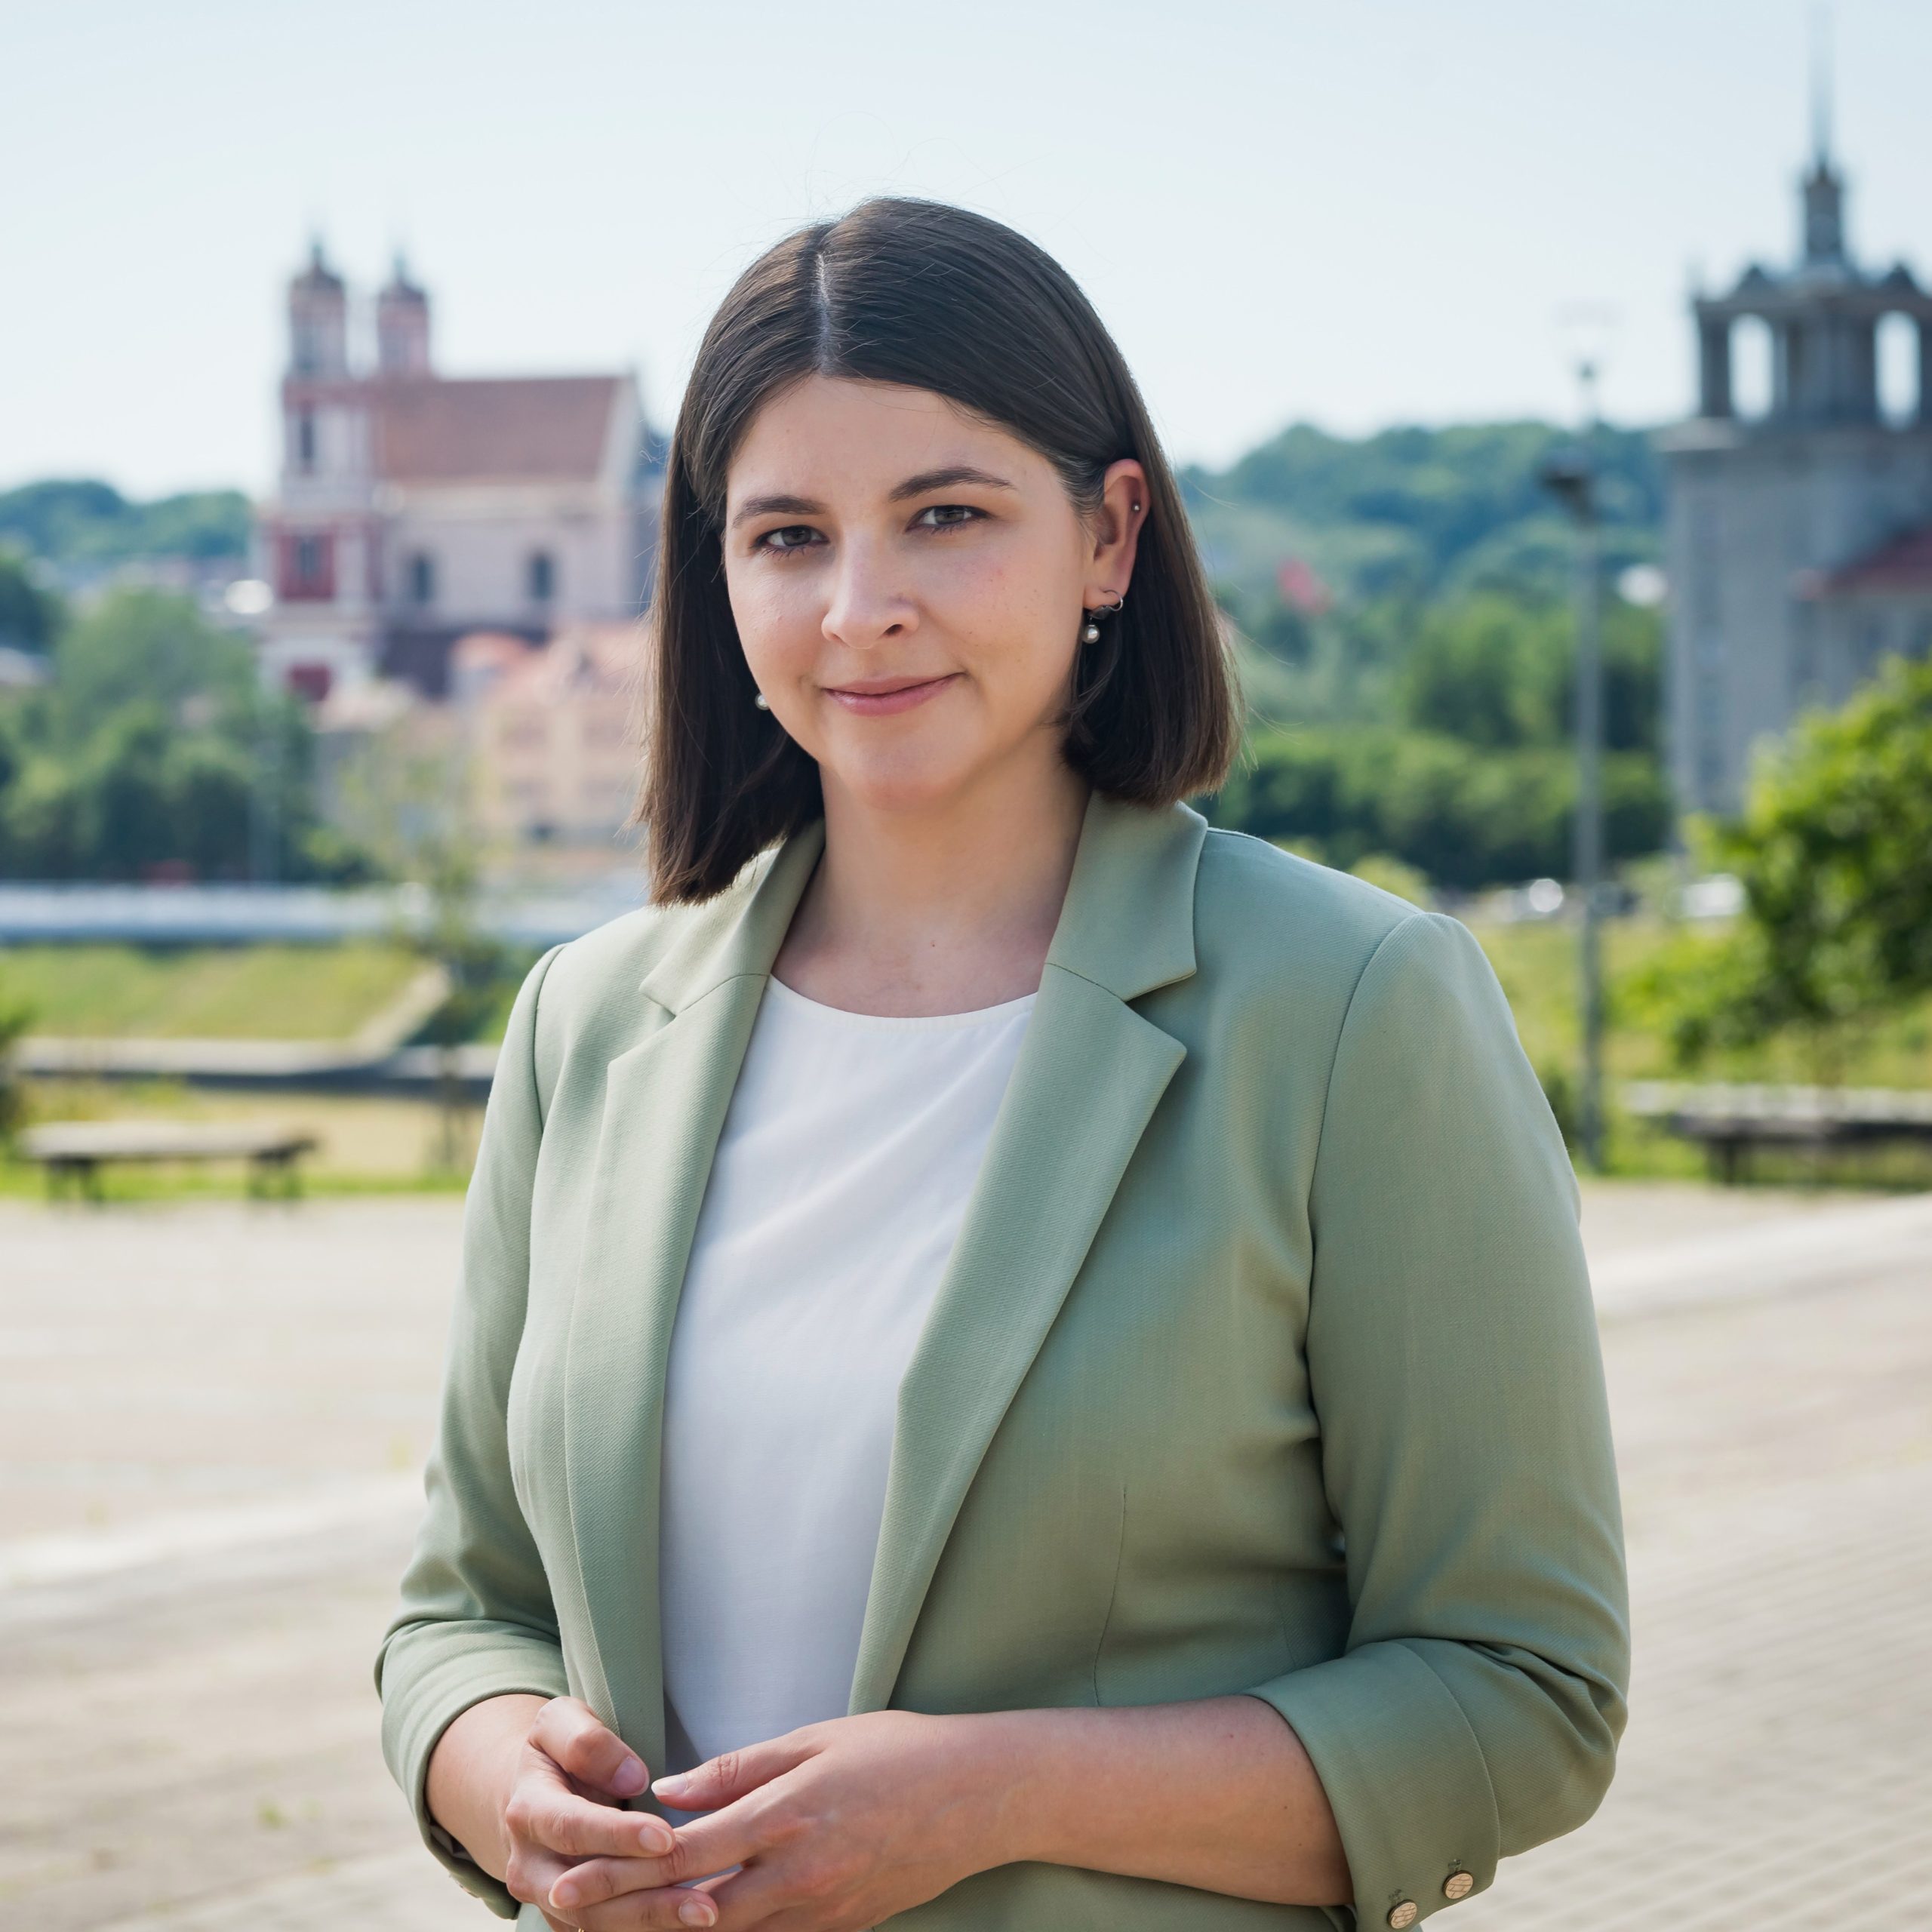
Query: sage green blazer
[[1265, 1362]]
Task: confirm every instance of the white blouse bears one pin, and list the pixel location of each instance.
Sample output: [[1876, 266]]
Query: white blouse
[[839, 1186]]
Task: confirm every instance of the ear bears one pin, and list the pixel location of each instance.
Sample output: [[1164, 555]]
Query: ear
[[1117, 525]]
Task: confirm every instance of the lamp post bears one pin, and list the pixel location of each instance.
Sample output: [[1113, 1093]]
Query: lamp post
[[1571, 475]]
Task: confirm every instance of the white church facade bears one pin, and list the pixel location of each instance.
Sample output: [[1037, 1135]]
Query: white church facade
[[413, 508]]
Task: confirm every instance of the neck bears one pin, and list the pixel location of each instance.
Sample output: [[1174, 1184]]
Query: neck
[[941, 910]]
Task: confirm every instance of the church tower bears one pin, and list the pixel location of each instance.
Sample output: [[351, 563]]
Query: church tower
[[317, 320], [320, 538], [1778, 519], [402, 326]]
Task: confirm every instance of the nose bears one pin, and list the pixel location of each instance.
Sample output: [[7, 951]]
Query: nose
[[868, 604]]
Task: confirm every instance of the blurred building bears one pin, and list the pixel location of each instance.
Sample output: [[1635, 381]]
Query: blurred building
[[414, 508], [1800, 535], [550, 732]]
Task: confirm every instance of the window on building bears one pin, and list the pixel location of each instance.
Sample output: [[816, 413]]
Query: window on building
[[305, 439], [307, 567], [541, 576], [419, 578]]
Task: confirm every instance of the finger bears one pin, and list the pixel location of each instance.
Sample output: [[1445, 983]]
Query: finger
[[719, 1780], [681, 1906], [595, 1881], [544, 1811], [532, 1872], [569, 1732], [759, 1893]]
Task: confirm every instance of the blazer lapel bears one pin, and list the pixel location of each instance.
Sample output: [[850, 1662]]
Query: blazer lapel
[[665, 1103], [1089, 1074]]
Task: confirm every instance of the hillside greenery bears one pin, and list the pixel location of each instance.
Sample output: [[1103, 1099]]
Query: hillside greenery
[[1417, 513], [82, 522]]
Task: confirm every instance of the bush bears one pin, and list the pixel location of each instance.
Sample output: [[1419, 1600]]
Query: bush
[[1834, 850]]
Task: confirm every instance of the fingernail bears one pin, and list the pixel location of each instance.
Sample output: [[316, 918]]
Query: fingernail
[[653, 1836], [670, 1787], [629, 1778], [563, 1895], [697, 1912]]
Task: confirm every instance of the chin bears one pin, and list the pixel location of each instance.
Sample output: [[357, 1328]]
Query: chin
[[901, 785]]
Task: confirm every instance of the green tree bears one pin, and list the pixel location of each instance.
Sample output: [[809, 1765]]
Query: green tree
[[29, 616], [1834, 850], [154, 747], [147, 644], [1464, 815]]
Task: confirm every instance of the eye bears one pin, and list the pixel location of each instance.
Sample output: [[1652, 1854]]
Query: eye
[[790, 537], [947, 516]]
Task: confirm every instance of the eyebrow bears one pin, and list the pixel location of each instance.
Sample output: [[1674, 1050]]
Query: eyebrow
[[776, 506], [928, 479], [920, 485]]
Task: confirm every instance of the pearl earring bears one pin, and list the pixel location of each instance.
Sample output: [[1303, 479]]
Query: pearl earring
[[763, 703], [1090, 631]]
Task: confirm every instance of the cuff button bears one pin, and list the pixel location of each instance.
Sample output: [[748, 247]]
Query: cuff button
[[1458, 1885], [1402, 1916]]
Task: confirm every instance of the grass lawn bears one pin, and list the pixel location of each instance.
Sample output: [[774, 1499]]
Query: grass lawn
[[237, 992], [1536, 962]]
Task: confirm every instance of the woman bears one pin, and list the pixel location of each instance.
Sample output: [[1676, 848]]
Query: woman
[[1028, 1362]]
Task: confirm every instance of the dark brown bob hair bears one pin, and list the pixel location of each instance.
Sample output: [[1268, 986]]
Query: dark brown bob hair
[[933, 298]]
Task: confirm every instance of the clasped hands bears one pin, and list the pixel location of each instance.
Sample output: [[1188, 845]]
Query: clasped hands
[[831, 1829]]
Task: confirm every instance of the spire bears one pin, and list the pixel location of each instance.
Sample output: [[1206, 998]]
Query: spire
[[1824, 185], [1821, 88]]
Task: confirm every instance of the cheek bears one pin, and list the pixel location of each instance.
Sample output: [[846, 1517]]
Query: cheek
[[776, 619], [1011, 617]]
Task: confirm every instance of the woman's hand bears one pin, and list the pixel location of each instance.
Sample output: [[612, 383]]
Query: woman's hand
[[836, 1827], [570, 1779]]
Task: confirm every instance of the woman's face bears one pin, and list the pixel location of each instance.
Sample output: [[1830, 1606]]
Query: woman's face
[[909, 584]]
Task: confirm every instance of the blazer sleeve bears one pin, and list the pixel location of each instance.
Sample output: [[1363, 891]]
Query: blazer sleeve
[[475, 1619], [1453, 1353]]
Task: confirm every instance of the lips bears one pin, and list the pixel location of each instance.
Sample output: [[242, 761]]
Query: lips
[[879, 697]]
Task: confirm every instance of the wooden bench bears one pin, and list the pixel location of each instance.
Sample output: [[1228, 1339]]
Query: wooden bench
[[1730, 1122], [75, 1151]]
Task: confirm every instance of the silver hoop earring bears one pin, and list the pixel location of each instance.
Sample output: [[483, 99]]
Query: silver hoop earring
[[763, 703], [1119, 603]]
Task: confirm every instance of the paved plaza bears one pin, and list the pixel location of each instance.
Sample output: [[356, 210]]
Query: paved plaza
[[212, 1417]]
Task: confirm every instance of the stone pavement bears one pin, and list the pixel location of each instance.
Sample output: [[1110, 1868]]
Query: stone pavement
[[210, 1419]]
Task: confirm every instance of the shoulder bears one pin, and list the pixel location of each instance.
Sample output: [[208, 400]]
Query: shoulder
[[1259, 910], [1270, 925]]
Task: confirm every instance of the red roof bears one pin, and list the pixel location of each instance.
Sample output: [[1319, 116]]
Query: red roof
[[1904, 564], [517, 429]]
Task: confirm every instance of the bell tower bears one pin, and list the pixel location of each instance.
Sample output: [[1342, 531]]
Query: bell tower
[[319, 536], [402, 325], [317, 320]]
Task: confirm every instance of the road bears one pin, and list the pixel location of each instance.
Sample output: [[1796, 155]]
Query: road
[[211, 1419]]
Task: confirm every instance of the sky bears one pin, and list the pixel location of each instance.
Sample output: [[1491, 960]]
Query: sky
[[1357, 214]]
